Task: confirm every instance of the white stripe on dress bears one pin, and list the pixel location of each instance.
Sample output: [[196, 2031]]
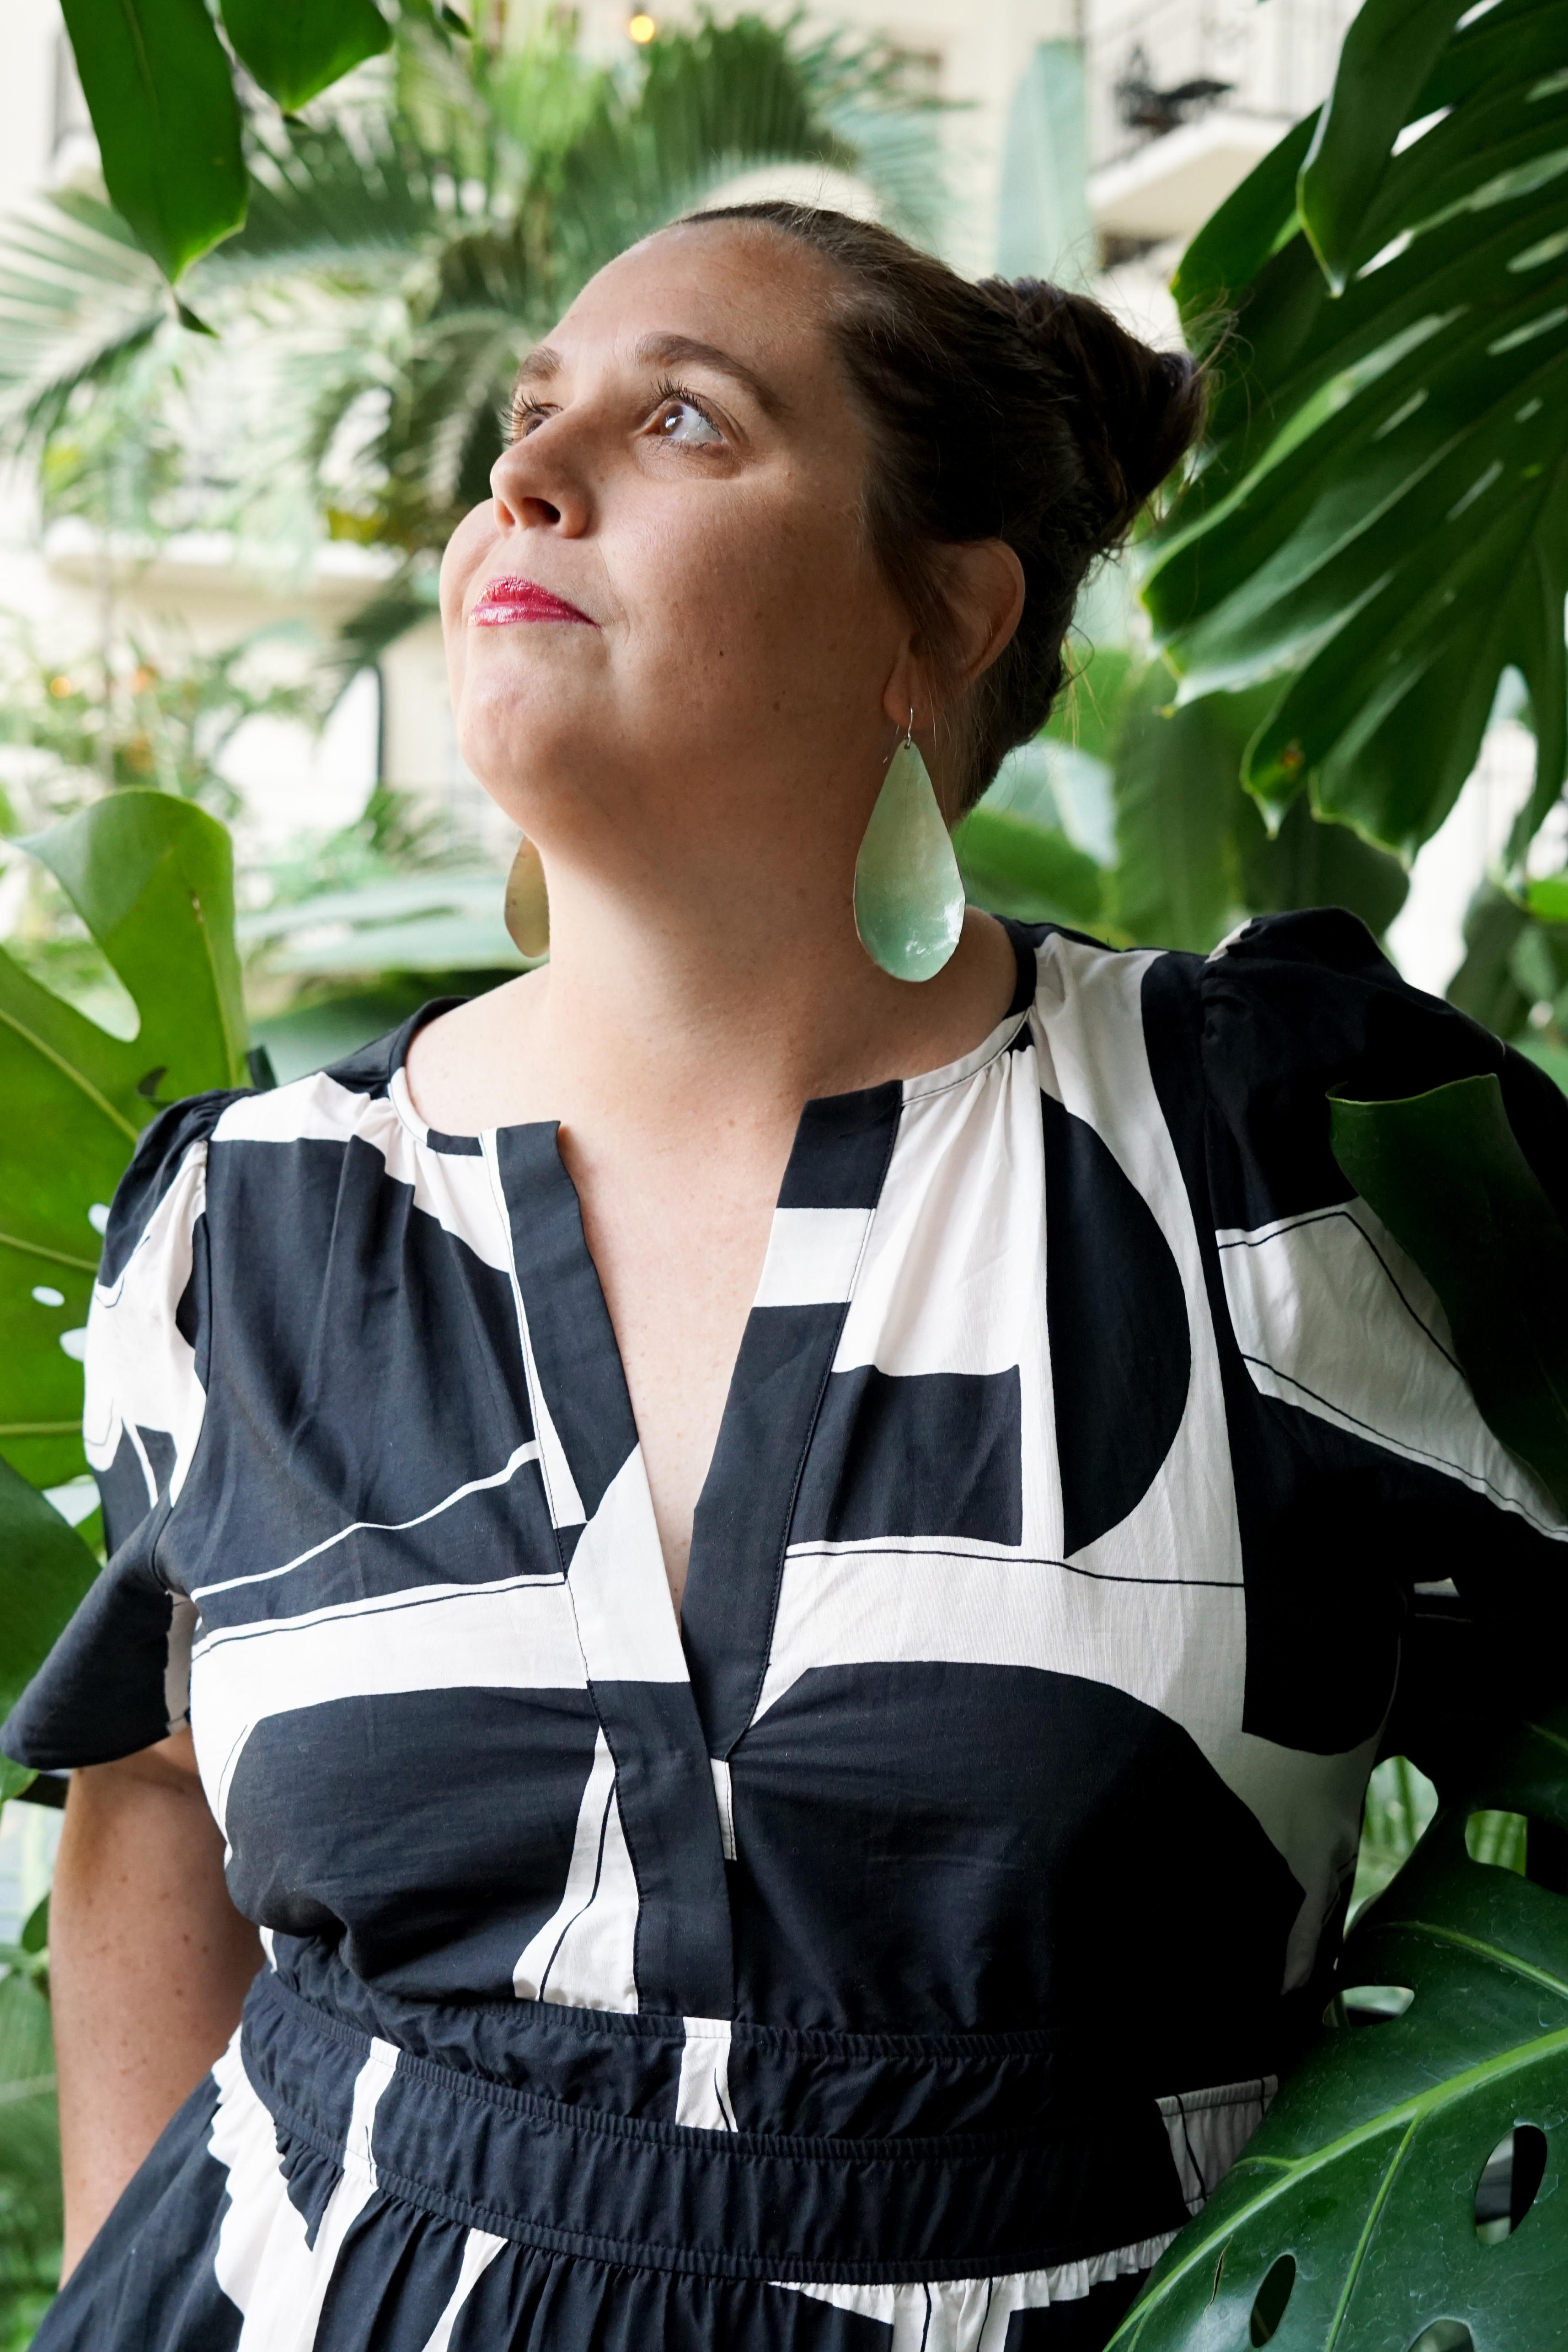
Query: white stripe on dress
[[263, 2261], [1326, 1308], [584, 1955]]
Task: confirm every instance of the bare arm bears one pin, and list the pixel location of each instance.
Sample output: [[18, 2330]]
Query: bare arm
[[148, 1961]]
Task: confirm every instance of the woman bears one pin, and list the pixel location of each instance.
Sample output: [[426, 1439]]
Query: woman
[[785, 1581]]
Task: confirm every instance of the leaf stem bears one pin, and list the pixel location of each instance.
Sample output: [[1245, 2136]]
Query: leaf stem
[[54, 1256], [1358, 2254]]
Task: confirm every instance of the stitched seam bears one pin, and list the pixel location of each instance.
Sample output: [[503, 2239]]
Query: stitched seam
[[1023, 2042]]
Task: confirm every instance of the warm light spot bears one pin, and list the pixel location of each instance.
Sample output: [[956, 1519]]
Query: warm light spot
[[642, 28], [60, 687]]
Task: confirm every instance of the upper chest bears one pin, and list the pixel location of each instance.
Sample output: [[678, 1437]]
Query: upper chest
[[950, 1275]]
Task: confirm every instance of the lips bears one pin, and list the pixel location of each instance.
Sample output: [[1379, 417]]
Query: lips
[[506, 602]]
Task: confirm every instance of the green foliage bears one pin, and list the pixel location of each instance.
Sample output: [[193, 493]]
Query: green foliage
[[1485, 986], [1031, 871], [1400, 1803], [1379, 522], [1365, 2173], [150, 877], [296, 49], [1388, 53], [1089, 714], [157, 86], [162, 719], [47, 1570], [442, 920], [443, 223], [31, 2216], [1445, 1173], [1193, 857], [1178, 798]]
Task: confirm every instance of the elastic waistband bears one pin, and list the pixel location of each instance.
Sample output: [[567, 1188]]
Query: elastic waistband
[[564, 2176]]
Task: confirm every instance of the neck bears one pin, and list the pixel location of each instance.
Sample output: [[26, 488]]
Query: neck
[[760, 991], [676, 991]]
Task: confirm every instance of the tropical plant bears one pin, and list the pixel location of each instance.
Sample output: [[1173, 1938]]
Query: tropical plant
[[1379, 522], [31, 2220], [1392, 2202], [1129, 819], [159, 85], [1374, 2201], [403, 249], [136, 715], [150, 875]]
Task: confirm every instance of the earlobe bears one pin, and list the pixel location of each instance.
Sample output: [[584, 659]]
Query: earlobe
[[906, 698]]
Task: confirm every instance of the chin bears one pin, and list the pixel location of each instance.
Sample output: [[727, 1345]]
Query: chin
[[531, 752]]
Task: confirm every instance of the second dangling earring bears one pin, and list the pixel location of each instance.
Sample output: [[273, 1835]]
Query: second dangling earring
[[526, 905], [909, 895]]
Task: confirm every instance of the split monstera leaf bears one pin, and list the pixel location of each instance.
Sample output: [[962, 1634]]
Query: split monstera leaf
[[151, 878], [1399, 2197], [1379, 523], [1406, 2192]]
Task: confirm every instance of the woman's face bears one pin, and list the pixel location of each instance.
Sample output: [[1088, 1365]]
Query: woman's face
[[667, 612]]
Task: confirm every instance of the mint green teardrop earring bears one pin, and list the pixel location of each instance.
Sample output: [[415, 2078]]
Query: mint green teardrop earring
[[526, 906], [909, 898]]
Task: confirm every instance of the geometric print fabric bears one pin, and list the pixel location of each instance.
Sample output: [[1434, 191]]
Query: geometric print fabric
[[1053, 1547]]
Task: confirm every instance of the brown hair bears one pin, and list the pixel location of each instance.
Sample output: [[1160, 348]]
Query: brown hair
[[1008, 410]]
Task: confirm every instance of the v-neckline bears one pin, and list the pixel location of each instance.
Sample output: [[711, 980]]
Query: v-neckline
[[582, 1404]]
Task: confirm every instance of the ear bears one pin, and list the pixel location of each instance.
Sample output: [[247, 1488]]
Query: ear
[[983, 587]]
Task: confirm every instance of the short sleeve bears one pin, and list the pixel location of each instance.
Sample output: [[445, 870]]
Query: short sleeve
[[118, 1677], [1336, 1326]]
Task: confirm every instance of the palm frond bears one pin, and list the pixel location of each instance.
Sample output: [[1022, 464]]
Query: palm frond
[[78, 299], [343, 204], [402, 250]]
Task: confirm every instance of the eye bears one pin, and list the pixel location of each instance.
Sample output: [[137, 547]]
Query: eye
[[683, 421], [526, 415]]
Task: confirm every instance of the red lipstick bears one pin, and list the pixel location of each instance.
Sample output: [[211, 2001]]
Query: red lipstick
[[505, 601]]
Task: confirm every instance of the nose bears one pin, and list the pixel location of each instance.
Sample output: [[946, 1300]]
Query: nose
[[537, 487]]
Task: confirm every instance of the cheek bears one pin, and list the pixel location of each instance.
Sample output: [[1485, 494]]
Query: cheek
[[753, 590]]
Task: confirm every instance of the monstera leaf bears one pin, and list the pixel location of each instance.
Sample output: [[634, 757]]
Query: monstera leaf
[[1379, 522], [1407, 2189], [151, 878]]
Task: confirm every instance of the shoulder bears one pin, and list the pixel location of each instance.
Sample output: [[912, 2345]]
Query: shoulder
[[166, 1152], [352, 1096], [1294, 1007], [171, 1153]]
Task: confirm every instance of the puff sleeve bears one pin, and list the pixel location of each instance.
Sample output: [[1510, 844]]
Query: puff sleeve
[[117, 1678], [1343, 1346]]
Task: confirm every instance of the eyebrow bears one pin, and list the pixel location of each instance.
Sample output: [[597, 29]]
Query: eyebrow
[[664, 350]]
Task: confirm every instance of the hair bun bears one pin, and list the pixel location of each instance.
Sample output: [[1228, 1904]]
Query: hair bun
[[1135, 410]]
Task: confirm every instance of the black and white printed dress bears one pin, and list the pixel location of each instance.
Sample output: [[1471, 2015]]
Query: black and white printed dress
[[890, 1957]]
